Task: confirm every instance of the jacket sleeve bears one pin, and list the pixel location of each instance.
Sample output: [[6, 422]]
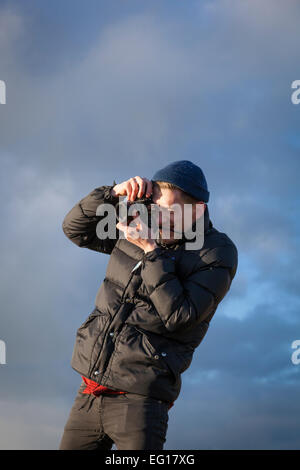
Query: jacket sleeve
[[80, 223], [182, 304]]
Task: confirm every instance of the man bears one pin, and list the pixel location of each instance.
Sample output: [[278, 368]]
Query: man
[[152, 311]]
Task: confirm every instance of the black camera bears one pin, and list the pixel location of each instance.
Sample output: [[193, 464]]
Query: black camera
[[143, 206]]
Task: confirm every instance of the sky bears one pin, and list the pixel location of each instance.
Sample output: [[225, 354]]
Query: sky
[[98, 91]]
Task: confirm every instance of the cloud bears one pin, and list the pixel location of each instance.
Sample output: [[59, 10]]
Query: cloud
[[213, 86], [31, 424], [11, 30]]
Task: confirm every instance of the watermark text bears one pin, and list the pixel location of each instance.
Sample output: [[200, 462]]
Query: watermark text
[[295, 97], [2, 92], [2, 352], [295, 358]]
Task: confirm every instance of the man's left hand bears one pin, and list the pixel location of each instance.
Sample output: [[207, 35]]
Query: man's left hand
[[138, 233]]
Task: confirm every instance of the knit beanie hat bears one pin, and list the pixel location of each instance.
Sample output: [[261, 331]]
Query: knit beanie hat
[[187, 176]]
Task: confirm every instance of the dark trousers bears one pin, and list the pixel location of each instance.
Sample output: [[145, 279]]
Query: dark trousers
[[130, 421]]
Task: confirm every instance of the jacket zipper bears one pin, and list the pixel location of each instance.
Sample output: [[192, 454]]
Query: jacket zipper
[[121, 303]]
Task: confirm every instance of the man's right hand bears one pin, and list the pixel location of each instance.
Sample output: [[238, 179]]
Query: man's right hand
[[133, 187]]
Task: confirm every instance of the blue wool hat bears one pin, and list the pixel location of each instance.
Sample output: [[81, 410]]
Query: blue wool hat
[[187, 176]]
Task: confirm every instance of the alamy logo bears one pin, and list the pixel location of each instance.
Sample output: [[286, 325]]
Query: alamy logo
[[295, 97], [2, 92], [2, 352], [296, 354], [152, 221]]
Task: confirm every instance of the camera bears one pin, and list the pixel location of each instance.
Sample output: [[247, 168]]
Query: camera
[[143, 206]]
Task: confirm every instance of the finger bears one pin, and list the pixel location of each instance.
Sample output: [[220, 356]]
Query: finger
[[121, 226], [126, 230], [142, 185], [135, 188], [149, 187], [133, 233], [128, 190], [140, 228]]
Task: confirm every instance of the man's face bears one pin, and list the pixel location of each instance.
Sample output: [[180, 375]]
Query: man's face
[[179, 217]]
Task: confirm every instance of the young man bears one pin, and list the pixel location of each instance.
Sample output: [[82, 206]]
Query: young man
[[151, 312]]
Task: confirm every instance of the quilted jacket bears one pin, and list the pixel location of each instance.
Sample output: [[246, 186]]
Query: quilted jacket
[[148, 321]]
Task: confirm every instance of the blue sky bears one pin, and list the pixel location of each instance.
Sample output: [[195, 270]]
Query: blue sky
[[98, 91]]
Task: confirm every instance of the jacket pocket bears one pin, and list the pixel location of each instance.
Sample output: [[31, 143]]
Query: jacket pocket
[[168, 360], [146, 341], [89, 336]]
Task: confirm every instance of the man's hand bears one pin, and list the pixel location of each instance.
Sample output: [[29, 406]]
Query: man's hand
[[133, 187], [138, 233]]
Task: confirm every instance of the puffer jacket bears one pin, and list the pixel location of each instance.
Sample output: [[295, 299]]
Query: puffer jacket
[[148, 321]]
